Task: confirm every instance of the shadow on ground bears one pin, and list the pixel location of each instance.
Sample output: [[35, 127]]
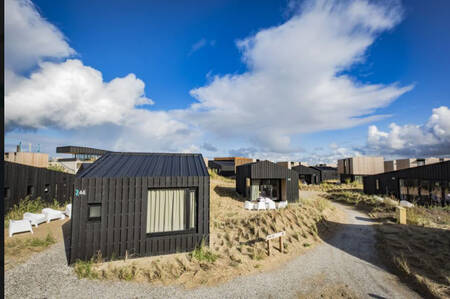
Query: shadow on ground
[[67, 232], [404, 250], [228, 192]]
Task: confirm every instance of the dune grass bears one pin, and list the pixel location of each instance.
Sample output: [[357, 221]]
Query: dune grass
[[237, 243], [30, 205]]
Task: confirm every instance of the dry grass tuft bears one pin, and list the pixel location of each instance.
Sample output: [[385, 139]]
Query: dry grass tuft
[[419, 254]]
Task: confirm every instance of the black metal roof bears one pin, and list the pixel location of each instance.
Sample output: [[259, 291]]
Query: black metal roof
[[325, 168], [223, 165], [71, 149], [114, 165], [301, 169]]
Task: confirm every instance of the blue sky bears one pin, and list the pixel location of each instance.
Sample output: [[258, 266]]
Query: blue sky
[[185, 53]]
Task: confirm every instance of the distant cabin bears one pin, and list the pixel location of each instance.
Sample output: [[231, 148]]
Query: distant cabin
[[265, 178], [140, 204], [308, 175]]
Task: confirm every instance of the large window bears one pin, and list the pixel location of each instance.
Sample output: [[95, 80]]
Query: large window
[[413, 190], [447, 193], [425, 191], [270, 188], [403, 189], [171, 210], [436, 193]]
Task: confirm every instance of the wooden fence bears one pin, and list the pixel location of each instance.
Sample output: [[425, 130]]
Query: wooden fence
[[22, 180]]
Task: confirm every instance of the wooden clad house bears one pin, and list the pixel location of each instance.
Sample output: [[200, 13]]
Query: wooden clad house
[[267, 179], [140, 204]]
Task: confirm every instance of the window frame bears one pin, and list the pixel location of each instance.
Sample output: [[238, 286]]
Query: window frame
[[94, 219], [187, 229]]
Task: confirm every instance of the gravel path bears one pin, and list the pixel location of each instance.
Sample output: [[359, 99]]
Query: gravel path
[[348, 258]]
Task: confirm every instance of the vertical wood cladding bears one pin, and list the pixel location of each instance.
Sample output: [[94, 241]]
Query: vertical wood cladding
[[267, 170], [388, 183], [47, 184], [123, 200]]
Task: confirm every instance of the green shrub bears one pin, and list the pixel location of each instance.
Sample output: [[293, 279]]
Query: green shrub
[[127, 273], [30, 205], [84, 269], [202, 253], [36, 242]]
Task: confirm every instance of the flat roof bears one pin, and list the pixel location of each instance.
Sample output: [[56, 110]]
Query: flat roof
[[72, 149]]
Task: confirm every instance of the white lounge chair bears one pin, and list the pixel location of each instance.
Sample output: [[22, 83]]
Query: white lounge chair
[[68, 210], [248, 205], [19, 226], [261, 205], [406, 204], [53, 214], [35, 219], [282, 204], [270, 204]]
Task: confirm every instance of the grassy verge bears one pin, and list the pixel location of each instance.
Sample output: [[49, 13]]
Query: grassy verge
[[218, 177], [419, 251]]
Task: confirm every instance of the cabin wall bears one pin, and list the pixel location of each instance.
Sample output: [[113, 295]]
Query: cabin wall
[[19, 177], [388, 183], [122, 227]]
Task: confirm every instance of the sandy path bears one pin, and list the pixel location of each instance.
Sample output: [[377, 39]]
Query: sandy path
[[347, 259]]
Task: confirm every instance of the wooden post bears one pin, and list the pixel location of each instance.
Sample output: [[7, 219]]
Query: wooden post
[[281, 244], [401, 215]]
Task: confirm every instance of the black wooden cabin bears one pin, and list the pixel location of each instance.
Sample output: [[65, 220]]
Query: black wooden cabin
[[327, 173], [268, 179], [223, 168], [140, 204], [309, 175], [428, 184]]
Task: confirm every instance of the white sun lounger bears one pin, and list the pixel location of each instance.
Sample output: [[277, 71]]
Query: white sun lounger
[[248, 205], [19, 226], [282, 204], [53, 214], [35, 219], [261, 205], [270, 204], [68, 210]]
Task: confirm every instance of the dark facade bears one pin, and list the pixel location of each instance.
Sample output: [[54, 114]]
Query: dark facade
[[224, 168], [265, 173], [70, 149], [349, 178], [429, 184], [327, 173], [22, 180], [119, 207], [310, 175]]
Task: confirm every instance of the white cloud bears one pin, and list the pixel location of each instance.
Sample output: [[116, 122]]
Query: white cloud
[[64, 94], [432, 138], [70, 95], [294, 83], [29, 38], [201, 44]]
